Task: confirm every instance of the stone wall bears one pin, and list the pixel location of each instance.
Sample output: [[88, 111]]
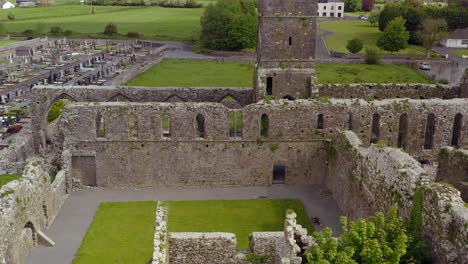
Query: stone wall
[[385, 91], [13, 158], [445, 218], [27, 206], [453, 169], [204, 248]]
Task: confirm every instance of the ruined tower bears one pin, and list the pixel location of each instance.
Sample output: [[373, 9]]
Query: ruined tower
[[286, 49]]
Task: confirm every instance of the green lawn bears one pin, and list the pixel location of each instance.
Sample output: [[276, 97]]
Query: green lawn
[[120, 233], [6, 178], [345, 30], [153, 22], [363, 73], [193, 73], [7, 42], [459, 52], [240, 217]]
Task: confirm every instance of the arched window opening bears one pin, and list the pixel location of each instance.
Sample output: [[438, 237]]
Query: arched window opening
[[264, 125], [133, 126], [166, 125], [100, 126], [350, 121], [235, 124], [200, 125], [456, 131], [375, 130], [269, 88], [320, 122], [403, 131], [430, 131]]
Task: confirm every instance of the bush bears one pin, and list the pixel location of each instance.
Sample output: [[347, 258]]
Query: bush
[[56, 30], [68, 33], [372, 56], [352, 5], [354, 45], [29, 33], [110, 29], [180, 4], [133, 34], [367, 5], [11, 16], [395, 36], [390, 12], [229, 25]]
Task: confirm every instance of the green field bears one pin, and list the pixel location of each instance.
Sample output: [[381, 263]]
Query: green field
[[459, 52], [7, 42], [6, 178], [120, 233], [240, 217], [345, 30], [193, 73], [363, 73], [153, 22]]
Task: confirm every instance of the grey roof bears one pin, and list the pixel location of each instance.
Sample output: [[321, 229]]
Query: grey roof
[[461, 33]]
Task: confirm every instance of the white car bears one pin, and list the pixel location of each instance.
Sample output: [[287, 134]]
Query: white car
[[424, 66], [363, 18]]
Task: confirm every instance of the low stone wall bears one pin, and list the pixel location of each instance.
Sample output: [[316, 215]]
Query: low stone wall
[[13, 158], [263, 244], [160, 242], [204, 248], [445, 223], [453, 169], [27, 206], [385, 91]]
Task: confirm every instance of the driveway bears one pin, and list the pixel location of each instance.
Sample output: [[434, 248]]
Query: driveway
[[76, 215]]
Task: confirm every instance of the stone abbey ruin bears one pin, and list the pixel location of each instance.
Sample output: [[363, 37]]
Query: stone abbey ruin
[[371, 145]]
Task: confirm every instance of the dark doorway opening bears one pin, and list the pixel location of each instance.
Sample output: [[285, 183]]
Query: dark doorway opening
[[456, 131], [430, 131], [279, 174], [403, 131], [269, 87], [375, 131]]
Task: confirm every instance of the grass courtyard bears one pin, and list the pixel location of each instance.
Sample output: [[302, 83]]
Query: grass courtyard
[[346, 30], [240, 217], [154, 22], [194, 73], [120, 233], [6, 178]]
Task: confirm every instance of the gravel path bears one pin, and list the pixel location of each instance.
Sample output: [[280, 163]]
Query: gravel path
[[78, 211]]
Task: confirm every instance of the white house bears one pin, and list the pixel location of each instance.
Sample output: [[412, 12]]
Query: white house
[[8, 5], [330, 8], [457, 39]]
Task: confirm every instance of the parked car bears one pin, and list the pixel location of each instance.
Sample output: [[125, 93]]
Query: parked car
[[362, 17], [424, 66]]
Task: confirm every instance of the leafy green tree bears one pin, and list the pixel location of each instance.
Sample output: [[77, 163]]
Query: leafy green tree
[[395, 36], [372, 56], [380, 239], [390, 12], [354, 45], [352, 5], [433, 31], [414, 14], [56, 30], [110, 29], [229, 25], [11, 16], [374, 17]]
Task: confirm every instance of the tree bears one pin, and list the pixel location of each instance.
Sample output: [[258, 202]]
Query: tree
[[367, 5], [11, 16], [395, 36], [229, 25], [414, 14], [433, 31], [374, 17], [56, 30], [110, 29], [380, 239], [390, 12], [354, 45], [372, 56], [352, 5]]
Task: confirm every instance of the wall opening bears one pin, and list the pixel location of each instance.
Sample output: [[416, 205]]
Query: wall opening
[[375, 130], [457, 129], [430, 131], [235, 124], [33, 231], [350, 121], [100, 126], [320, 121], [166, 125], [46, 215], [290, 41], [279, 174], [200, 125], [133, 126], [269, 88], [84, 170], [289, 97], [264, 125], [403, 131]]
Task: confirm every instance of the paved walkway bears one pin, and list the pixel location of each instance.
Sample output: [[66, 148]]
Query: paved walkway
[[78, 211]]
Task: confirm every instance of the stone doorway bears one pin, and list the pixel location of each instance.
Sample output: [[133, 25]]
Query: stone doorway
[[279, 174], [84, 169]]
